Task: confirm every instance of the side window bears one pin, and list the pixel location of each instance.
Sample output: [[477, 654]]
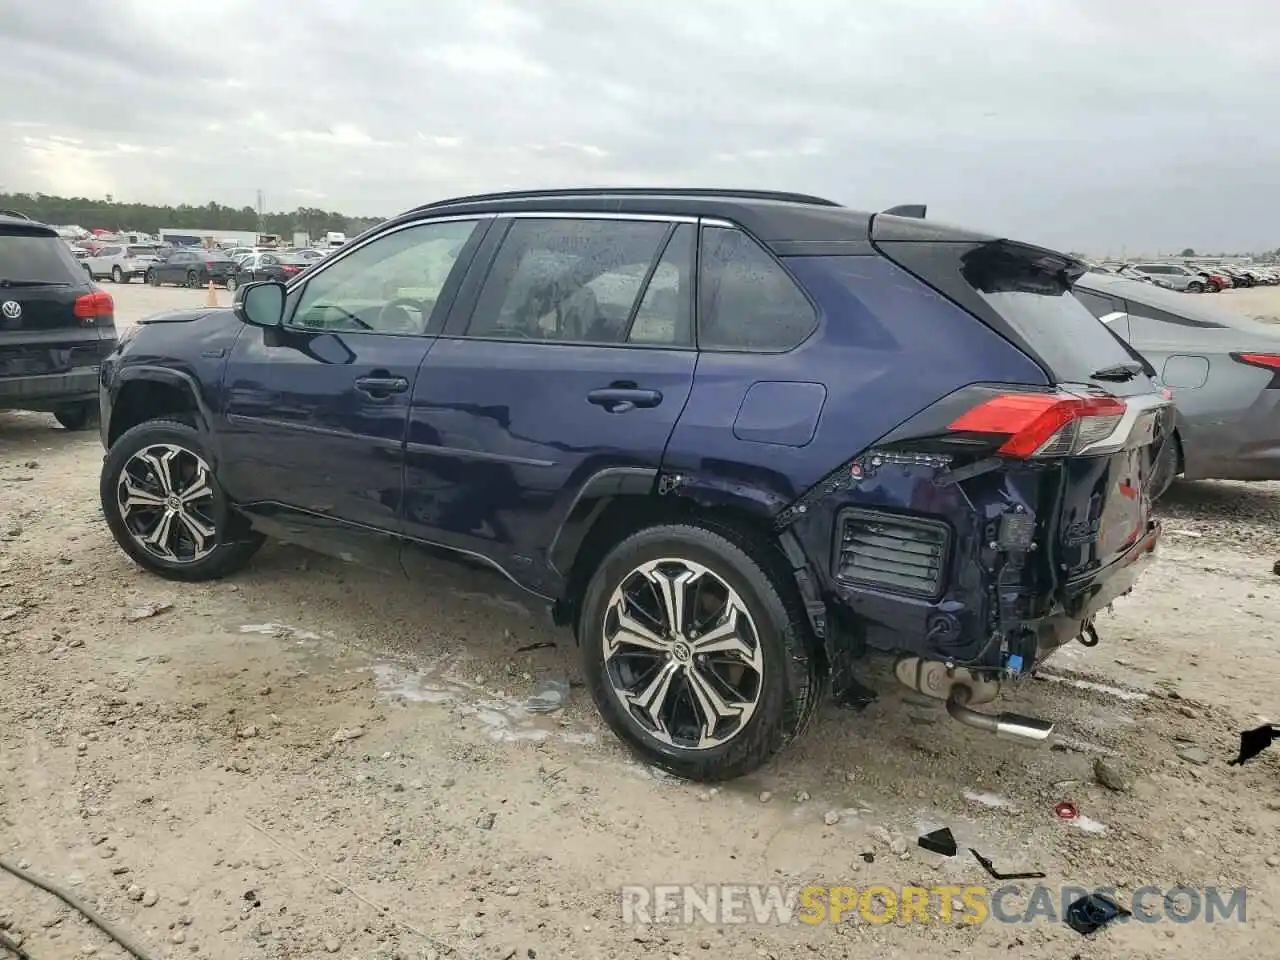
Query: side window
[[268, 260], [747, 301], [665, 315], [565, 279], [1098, 305], [390, 285]]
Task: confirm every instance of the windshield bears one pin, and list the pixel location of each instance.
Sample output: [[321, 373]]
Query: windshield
[[35, 258]]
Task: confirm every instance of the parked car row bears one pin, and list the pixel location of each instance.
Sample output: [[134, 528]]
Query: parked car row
[[1191, 277]]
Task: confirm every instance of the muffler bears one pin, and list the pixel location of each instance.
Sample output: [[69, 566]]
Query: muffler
[[1006, 726]]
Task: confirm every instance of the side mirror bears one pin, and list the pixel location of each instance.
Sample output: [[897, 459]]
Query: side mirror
[[261, 303]]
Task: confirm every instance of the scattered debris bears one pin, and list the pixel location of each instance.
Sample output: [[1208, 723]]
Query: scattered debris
[[1066, 810], [1111, 775], [550, 696], [486, 820], [765, 796], [831, 818], [147, 610], [1091, 913], [539, 645], [941, 842], [988, 866], [1253, 742], [1186, 533], [10, 613], [868, 857], [112, 931], [345, 734]]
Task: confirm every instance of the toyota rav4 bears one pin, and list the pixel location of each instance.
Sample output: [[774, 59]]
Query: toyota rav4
[[736, 439]]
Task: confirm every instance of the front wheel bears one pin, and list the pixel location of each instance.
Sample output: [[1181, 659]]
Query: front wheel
[[165, 507], [232, 284], [152, 278], [193, 280], [117, 275], [1195, 286], [696, 650]]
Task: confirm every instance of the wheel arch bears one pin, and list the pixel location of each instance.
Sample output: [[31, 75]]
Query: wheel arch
[[150, 393], [617, 502]]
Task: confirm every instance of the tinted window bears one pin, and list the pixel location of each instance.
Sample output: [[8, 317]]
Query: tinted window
[[748, 302], [1042, 309], [390, 285], [1098, 305], [566, 279], [665, 314], [25, 255]]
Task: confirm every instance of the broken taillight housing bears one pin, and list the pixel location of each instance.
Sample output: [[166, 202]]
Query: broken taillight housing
[[1043, 424]]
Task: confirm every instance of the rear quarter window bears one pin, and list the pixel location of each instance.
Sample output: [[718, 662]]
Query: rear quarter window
[[27, 255], [747, 301]]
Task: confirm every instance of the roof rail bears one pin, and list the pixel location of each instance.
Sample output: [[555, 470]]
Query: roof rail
[[914, 210], [16, 214], [569, 192]]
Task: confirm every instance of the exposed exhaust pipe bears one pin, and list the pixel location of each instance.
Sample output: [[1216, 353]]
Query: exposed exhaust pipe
[[1006, 726]]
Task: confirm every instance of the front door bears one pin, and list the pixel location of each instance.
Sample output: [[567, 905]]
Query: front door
[[574, 355], [316, 409]]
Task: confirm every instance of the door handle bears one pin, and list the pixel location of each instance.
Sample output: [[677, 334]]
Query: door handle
[[623, 399], [382, 387]]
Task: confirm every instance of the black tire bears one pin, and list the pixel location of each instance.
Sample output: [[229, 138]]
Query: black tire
[[234, 541], [231, 284], [89, 270], [193, 280], [1195, 286], [117, 276], [790, 681], [152, 278], [1213, 287], [76, 416]]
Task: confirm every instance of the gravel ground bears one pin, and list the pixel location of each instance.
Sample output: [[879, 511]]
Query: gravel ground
[[308, 761]]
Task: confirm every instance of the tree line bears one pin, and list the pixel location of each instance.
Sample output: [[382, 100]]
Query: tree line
[[109, 214]]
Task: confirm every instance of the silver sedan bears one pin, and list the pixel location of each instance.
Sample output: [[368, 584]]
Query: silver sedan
[[1223, 370]]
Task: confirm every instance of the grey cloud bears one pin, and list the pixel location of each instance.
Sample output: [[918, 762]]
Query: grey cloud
[[1067, 122]]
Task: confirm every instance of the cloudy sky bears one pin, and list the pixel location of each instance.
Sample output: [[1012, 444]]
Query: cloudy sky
[[1082, 124]]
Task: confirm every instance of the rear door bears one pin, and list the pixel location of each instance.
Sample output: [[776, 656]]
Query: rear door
[[40, 334], [570, 357]]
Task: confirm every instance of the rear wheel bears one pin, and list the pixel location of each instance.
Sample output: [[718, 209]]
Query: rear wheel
[[232, 284], [193, 279], [1213, 287], [696, 650], [75, 416], [117, 275], [1165, 468], [165, 507], [1195, 286]]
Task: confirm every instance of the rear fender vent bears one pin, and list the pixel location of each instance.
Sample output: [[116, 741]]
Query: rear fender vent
[[905, 555]]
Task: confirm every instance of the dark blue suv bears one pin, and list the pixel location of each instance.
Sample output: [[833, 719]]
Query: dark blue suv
[[738, 440]]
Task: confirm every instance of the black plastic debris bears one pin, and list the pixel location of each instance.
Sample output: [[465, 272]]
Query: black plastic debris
[[540, 645], [1091, 913], [1253, 742], [940, 842], [995, 874], [869, 857]]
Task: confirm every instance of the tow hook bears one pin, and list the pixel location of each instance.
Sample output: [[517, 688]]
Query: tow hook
[[1006, 726], [1089, 635]]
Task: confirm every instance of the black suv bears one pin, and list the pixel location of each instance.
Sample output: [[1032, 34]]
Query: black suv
[[56, 326], [736, 439]]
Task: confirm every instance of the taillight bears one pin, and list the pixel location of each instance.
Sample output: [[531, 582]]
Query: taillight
[[1043, 424], [1269, 361], [93, 306], [288, 269]]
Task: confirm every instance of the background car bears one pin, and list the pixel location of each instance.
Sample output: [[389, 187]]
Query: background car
[[191, 268], [1174, 276], [120, 263], [1223, 369], [56, 326], [266, 266]]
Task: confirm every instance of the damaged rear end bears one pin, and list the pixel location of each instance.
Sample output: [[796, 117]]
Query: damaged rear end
[[990, 528]]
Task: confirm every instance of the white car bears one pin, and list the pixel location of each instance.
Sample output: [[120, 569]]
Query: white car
[[120, 262]]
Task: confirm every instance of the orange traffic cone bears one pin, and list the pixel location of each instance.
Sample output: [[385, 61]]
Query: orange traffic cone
[[212, 299]]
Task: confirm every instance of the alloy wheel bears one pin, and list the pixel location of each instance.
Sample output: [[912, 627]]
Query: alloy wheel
[[165, 495], [682, 654]]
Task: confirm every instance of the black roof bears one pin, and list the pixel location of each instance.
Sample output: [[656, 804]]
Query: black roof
[[771, 216]]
